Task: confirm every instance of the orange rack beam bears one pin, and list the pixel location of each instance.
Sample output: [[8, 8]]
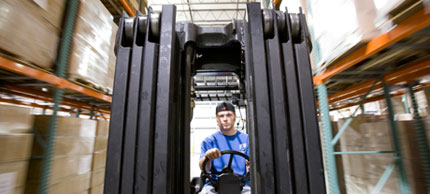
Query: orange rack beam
[[50, 78], [376, 98], [127, 8], [277, 4], [371, 99], [35, 105], [412, 24], [47, 97], [408, 73]]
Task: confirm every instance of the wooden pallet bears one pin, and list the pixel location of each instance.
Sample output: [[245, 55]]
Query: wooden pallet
[[18, 59], [89, 84]]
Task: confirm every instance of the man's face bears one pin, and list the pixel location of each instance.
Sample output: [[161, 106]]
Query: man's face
[[225, 120]]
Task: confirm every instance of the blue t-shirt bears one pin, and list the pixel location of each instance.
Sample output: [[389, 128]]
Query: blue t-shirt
[[237, 142]]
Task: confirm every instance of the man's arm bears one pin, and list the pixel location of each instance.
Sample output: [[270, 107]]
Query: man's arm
[[211, 154]]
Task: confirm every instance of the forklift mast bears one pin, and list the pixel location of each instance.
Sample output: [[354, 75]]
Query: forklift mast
[[149, 135]]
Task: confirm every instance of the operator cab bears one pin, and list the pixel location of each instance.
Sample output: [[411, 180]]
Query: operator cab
[[218, 76]]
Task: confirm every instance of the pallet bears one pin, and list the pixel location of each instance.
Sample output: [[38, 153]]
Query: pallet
[[89, 84], [18, 59]]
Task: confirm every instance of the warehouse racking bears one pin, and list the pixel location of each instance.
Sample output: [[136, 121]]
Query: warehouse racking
[[375, 68], [335, 88], [29, 85], [26, 81]]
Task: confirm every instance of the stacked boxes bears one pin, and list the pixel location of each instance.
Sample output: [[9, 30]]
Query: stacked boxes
[[397, 104], [15, 151], [72, 156], [24, 20], [93, 59], [339, 27], [411, 157], [362, 171], [15, 147], [99, 161]]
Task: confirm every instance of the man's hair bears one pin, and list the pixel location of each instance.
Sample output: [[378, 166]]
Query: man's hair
[[224, 106]]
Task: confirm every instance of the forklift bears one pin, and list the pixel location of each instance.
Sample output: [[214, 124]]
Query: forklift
[[158, 63]]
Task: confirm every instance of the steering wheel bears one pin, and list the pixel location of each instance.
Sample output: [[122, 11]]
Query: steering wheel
[[210, 175]]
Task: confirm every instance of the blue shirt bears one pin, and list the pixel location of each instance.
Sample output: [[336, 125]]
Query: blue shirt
[[237, 142]]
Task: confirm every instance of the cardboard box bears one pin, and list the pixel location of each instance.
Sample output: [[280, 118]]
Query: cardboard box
[[68, 146], [397, 104], [19, 190], [99, 160], [49, 11], [67, 185], [354, 165], [97, 177], [352, 135], [15, 119], [404, 117], [356, 185], [61, 167], [100, 144], [26, 20], [363, 171], [377, 136], [15, 147], [102, 128], [16, 170], [67, 126], [97, 189]]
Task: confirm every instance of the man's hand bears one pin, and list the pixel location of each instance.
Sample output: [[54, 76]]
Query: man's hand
[[213, 154]]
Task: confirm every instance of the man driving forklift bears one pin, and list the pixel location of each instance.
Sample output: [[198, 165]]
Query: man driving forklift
[[215, 146]]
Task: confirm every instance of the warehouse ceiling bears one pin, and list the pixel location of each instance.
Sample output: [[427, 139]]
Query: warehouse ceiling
[[201, 12], [205, 12]]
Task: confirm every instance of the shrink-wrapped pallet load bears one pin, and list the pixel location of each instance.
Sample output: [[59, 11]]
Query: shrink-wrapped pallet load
[[93, 60], [338, 27]]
